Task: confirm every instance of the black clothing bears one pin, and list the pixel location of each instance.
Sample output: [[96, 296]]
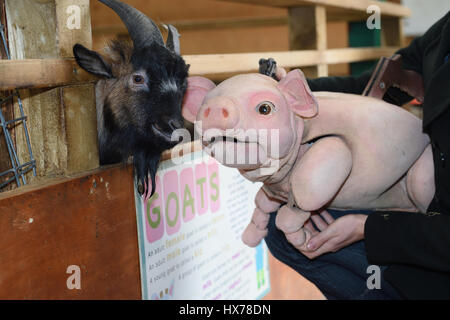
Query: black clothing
[[356, 85]]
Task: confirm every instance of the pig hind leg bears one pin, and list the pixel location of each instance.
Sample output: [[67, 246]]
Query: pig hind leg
[[420, 180]]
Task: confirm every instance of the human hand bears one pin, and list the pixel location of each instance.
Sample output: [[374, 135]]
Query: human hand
[[334, 234]]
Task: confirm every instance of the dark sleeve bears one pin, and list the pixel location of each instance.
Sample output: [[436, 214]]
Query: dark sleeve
[[412, 56], [349, 84], [409, 238], [356, 85]]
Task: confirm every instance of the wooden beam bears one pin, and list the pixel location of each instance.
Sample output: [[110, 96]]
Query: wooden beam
[[308, 31], [346, 55], [41, 73], [391, 32], [69, 32], [358, 7], [248, 62]]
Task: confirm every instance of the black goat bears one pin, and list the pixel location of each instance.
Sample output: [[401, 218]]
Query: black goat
[[140, 94]]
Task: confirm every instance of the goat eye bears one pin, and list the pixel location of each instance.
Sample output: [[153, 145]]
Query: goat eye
[[265, 108], [137, 79]]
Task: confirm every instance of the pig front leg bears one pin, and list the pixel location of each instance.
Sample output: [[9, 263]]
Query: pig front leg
[[257, 228], [316, 179], [290, 220]]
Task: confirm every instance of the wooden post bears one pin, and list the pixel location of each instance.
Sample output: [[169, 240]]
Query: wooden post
[[391, 32], [308, 30], [61, 121], [5, 162]]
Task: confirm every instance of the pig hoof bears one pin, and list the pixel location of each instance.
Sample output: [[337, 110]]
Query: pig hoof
[[260, 219], [252, 236], [290, 220], [297, 239]]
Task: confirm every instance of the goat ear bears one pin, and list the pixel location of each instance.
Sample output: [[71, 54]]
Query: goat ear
[[197, 89], [298, 94], [91, 61]]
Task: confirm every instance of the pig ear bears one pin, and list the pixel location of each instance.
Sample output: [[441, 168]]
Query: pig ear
[[298, 94], [198, 88]]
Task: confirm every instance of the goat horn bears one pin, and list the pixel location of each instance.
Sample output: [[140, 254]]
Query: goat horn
[[141, 28], [173, 39]]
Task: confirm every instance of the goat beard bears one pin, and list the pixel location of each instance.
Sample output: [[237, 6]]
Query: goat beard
[[145, 165], [146, 155]]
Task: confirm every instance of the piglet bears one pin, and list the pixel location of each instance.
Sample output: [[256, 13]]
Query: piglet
[[355, 153]]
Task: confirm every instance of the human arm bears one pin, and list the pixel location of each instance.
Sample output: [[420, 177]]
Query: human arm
[[390, 237], [409, 238], [356, 85]]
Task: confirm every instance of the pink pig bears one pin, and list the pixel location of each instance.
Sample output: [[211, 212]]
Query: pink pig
[[355, 153]]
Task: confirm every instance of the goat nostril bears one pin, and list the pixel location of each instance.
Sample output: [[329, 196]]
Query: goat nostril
[[206, 113], [225, 112]]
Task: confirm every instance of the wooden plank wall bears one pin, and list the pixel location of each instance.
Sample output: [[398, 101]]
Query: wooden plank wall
[[307, 27], [209, 27], [88, 221], [61, 121]]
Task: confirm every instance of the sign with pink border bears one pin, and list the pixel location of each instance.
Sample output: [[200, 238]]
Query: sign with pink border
[[190, 230]]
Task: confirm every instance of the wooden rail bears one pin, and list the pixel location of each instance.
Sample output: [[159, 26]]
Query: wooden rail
[[247, 62], [340, 9], [41, 73]]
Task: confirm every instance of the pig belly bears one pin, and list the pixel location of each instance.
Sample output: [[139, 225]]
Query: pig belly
[[420, 180], [394, 198], [385, 141], [413, 192]]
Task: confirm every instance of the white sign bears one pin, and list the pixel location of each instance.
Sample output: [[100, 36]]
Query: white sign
[[190, 234]]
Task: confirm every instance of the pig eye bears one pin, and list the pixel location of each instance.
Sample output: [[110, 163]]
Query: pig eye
[[265, 108]]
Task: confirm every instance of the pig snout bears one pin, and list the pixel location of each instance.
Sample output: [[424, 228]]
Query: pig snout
[[219, 114]]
